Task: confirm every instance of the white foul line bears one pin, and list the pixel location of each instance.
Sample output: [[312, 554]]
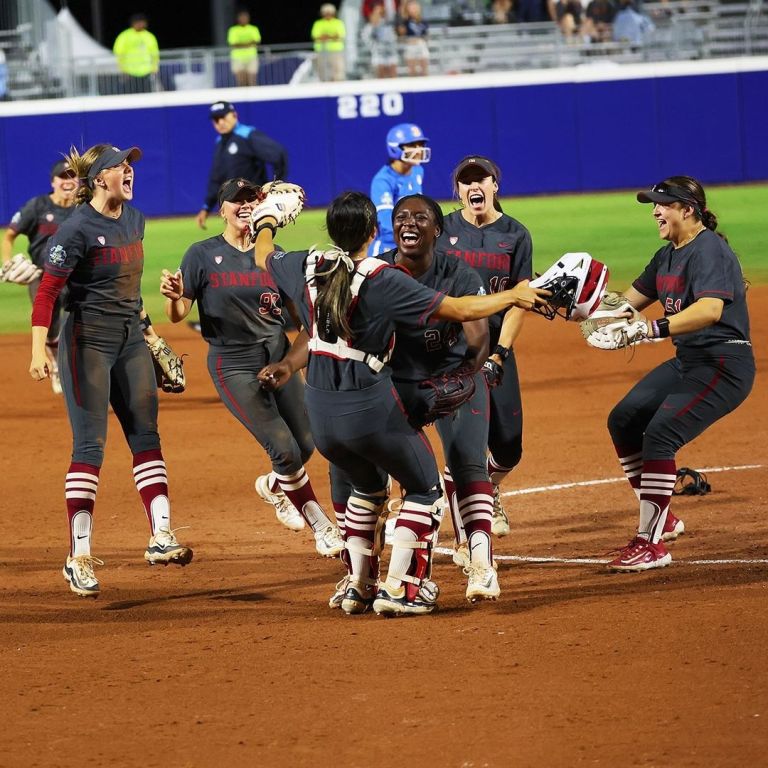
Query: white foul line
[[607, 480], [603, 561]]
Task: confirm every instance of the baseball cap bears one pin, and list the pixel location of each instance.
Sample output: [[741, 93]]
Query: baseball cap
[[221, 108], [62, 168], [237, 190], [111, 157], [474, 162], [666, 193]]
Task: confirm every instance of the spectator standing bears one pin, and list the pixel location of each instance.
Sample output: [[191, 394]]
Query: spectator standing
[[380, 37], [138, 56], [598, 22], [243, 39], [241, 152], [630, 26], [413, 30], [501, 12], [328, 34], [568, 16]]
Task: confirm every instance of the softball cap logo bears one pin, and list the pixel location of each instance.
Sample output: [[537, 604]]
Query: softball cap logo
[[57, 255]]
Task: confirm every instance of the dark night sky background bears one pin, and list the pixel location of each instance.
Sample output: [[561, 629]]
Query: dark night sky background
[[180, 24]]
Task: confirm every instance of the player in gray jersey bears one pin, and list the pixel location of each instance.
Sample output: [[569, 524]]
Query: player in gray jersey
[[38, 219], [350, 307], [422, 354], [242, 318], [697, 279], [103, 359], [499, 249]]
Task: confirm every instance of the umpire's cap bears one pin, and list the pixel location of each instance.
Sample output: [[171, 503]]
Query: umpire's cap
[[111, 157], [237, 190], [220, 108], [665, 194]]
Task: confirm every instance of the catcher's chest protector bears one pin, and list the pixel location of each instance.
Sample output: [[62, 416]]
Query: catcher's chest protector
[[341, 348]]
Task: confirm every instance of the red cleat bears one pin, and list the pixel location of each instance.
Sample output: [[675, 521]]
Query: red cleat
[[640, 555]]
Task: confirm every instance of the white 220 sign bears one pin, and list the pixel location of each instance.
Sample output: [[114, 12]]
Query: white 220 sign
[[370, 105]]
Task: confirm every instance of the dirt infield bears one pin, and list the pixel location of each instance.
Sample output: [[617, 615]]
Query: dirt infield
[[236, 660]]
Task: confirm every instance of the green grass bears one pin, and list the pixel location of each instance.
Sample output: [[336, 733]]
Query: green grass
[[612, 227]]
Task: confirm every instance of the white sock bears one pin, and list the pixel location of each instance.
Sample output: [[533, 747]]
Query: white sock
[[82, 525], [160, 509], [480, 548]]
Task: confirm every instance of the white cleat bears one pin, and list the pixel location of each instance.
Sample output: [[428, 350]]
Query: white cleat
[[285, 512], [78, 571], [328, 541], [500, 521], [461, 555], [482, 582], [164, 549]]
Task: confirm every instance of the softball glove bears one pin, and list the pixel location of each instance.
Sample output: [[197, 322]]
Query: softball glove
[[282, 201], [169, 367], [19, 270]]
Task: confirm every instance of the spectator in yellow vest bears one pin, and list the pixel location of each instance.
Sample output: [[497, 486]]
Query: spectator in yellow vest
[[242, 39], [138, 55], [328, 33]]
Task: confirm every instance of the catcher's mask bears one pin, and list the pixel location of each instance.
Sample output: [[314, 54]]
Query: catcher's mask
[[577, 283]]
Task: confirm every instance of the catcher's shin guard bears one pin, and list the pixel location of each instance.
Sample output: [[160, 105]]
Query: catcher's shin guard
[[414, 540], [363, 539]]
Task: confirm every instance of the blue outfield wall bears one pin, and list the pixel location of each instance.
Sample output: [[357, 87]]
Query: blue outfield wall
[[553, 131]]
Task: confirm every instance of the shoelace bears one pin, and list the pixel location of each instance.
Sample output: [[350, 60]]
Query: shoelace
[[171, 533], [84, 565]]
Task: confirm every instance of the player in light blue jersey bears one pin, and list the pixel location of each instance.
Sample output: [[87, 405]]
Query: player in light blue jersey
[[401, 176]]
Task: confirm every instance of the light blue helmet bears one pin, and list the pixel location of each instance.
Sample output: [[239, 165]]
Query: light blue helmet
[[407, 133]]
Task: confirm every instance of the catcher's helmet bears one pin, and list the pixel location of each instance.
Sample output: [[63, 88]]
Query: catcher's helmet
[[407, 133], [577, 282]]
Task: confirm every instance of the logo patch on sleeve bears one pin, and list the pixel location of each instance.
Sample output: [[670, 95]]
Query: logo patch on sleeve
[[57, 255]]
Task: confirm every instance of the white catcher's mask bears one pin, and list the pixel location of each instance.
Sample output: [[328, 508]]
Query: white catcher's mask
[[577, 282]]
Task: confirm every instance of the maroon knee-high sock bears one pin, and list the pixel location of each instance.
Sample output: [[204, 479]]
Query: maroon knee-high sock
[[151, 478]]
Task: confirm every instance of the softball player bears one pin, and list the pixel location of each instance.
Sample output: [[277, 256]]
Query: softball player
[[103, 359], [499, 249], [242, 319], [698, 281], [38, 219], [350, 307], [441, 346], [402, 175]]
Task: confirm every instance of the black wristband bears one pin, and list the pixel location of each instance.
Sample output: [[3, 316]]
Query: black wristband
[[502, 352], [271, 227], [663, 326], [144, 323]]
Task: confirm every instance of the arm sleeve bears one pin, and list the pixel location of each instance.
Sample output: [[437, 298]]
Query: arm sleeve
[[383, 198], [271, 152], [47, 293]]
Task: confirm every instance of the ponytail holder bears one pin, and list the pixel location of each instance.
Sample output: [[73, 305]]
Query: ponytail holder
[[335, 256]]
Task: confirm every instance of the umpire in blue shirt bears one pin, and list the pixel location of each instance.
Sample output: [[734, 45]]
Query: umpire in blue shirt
[[241, 152]]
